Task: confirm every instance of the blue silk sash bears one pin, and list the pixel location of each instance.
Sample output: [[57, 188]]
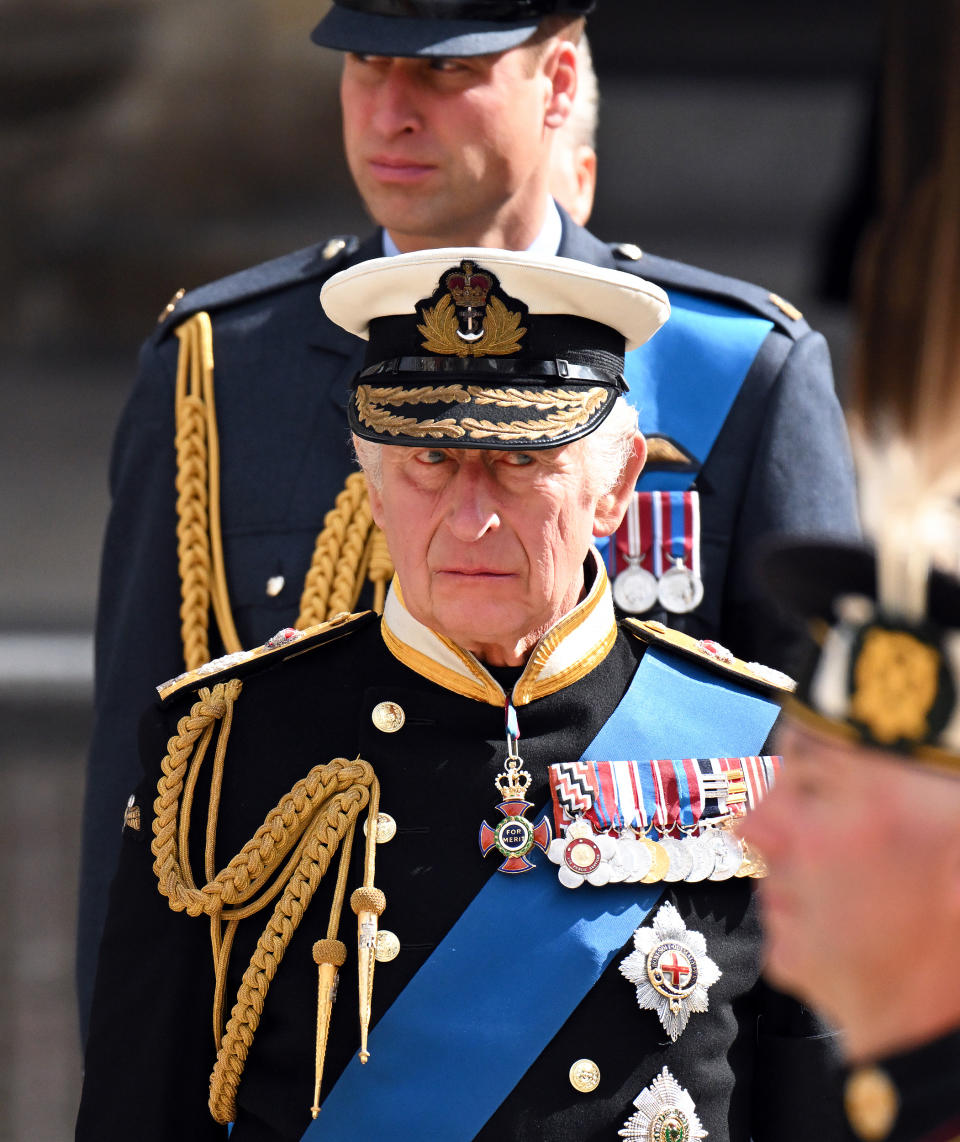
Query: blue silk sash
[[454, 1044]]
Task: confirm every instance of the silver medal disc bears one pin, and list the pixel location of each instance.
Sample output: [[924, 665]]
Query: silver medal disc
[[701, 858], [637, 856], [679, 590], [680, 862], [635, 590], [727, 855]]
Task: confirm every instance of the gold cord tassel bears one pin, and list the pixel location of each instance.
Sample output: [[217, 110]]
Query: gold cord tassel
[[329, 955], [368, 903], [284, 862]]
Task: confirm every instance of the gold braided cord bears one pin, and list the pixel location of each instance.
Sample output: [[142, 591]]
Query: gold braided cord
[[349, 549], [322, 839], [193, 550], [380, 570], [304, 830], [199, 542]]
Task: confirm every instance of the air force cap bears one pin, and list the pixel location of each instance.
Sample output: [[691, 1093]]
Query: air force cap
[[436, 27]]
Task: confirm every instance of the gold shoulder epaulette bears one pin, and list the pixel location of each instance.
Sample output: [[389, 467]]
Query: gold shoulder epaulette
[[284, 644], [710, 653]]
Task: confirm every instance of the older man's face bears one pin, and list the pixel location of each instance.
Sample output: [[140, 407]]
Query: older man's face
[[858, 873], [489, 546]]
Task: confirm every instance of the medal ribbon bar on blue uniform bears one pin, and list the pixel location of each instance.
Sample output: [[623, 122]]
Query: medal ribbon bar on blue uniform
[[683, 382], [452, 1046]]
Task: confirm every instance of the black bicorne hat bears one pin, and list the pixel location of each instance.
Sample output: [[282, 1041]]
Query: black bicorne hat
[[436, 27], [873, 676], [482, 348]]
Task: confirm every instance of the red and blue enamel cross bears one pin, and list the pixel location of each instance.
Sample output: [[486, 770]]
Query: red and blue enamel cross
[[514, 836]]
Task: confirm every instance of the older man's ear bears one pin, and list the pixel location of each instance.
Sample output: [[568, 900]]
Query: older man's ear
[[612, 505]]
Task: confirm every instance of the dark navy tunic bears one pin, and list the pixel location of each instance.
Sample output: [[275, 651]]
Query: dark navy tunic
[[282, 370]]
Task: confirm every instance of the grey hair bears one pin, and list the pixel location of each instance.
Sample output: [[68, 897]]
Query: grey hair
[[610, 447], [369, 455], [608, 450]]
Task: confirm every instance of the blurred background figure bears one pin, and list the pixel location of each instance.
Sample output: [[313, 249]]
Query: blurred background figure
[[148, 147], [861, 836]]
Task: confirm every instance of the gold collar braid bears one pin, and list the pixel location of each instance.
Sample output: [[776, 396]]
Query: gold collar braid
[[304, 830]]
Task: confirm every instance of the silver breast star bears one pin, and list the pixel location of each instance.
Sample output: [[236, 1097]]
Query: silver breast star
[[671, 970], [665, 1113]]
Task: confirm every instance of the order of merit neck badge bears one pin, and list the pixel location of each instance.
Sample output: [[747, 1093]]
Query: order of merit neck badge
[[671, 970], [514, 836], [665, 1113]]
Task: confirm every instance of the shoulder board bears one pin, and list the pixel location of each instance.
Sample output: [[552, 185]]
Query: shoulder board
[[706, 652], [285, 644], [745, 296], [310, 263]]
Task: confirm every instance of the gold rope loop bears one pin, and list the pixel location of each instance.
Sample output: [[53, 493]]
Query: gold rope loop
[[301, 834], [349, 547], [323, 836]]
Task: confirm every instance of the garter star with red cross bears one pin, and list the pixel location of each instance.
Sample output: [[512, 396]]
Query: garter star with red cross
[[671, 970]]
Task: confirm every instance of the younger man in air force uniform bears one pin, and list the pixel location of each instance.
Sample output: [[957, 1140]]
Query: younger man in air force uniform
[[512, 973]]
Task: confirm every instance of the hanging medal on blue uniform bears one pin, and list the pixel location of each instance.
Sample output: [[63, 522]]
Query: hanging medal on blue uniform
[[676, 518], [659, 543], [514, 836], [635, 587]]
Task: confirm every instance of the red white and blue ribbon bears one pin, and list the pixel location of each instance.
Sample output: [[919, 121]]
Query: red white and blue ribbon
[[669, 530], [667, 794]]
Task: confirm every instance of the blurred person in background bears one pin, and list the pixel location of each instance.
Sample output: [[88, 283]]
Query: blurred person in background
[[861, 836]]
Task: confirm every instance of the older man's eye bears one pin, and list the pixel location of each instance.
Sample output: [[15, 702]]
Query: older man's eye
[[431, 456], [518, 459]]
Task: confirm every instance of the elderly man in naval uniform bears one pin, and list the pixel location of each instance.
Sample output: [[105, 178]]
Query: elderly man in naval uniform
[[219, 489], [555, 934]]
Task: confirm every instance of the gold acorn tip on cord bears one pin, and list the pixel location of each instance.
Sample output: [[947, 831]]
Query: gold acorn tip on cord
[[329, 955], [368, 903]]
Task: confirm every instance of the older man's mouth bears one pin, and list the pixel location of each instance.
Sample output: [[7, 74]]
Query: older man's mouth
[[475, 573]]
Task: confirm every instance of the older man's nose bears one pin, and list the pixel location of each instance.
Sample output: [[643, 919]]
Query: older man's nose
[[471, 509]]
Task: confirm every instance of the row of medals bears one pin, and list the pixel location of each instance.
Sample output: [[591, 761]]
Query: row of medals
[[678, 590], [715, 853]]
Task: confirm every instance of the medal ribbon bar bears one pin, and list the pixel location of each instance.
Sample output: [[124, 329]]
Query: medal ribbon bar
[[674, 796]]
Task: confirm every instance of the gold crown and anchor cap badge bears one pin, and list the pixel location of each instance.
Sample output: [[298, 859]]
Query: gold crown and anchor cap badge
[[485, 348]]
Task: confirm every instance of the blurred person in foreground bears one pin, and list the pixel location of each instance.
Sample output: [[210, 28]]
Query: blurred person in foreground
[[862, 834], [230, 521], [557, 977]]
